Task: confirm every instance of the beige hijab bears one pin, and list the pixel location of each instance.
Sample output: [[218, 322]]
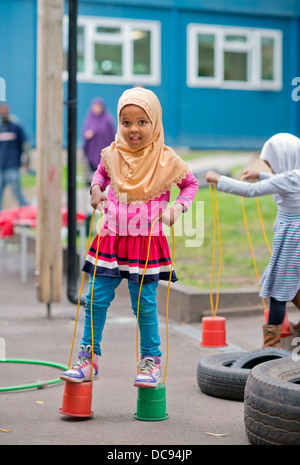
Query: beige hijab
[[142, 174]]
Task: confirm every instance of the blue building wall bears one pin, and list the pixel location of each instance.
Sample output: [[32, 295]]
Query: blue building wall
[[241, 118], [18, 59], [195, 117]]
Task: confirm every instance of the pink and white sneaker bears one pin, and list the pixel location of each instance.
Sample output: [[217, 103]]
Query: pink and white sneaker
[[81, 370], [149, 373]]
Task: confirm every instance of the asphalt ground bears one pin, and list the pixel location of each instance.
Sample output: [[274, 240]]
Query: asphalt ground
[[31, 416]]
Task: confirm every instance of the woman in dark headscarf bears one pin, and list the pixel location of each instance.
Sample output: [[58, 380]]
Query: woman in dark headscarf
[[98, 131]]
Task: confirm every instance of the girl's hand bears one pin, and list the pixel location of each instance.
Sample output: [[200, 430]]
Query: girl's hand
[[171, 215], [250, 175], [97, 197], [212, 176]]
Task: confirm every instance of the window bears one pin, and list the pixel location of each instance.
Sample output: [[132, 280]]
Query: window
[[233, 57], [116, 51]]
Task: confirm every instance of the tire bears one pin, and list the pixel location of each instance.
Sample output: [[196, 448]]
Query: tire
[[217, 378], [250, 359], [225, 375], [272, 403]]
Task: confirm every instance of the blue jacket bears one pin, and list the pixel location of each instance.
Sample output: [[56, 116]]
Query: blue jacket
[[12, 138]]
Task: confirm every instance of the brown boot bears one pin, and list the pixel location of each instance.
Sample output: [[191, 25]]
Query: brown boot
[[296, 325], [272, 335]]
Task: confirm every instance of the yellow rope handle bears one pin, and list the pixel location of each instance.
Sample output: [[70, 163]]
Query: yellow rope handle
[[82, 281], [79, 299], [249, 239], [92, 331], [167, 306], [215, 215], [92, 294], [262, 226]]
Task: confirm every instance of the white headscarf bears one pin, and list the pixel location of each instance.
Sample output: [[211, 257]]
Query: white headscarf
[[282, 152]]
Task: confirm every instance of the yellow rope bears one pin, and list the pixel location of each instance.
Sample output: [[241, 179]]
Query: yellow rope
[[268, 245], [167, 306], [82, 281], [92, 294], [92, 330], [215, 215], [249, 240], [214, 311], [79, 299], [262, 226]]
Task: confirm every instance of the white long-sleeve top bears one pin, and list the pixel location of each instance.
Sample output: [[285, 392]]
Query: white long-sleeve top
[[285, 188]]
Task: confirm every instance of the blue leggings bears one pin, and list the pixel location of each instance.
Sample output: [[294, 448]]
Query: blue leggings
[[104, 293]]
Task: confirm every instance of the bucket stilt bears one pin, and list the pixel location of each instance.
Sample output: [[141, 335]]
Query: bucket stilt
[[213, 331], [77, 399], [285, 328], [151, 404]]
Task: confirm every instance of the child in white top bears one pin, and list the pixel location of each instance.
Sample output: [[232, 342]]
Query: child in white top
[[281, 278]]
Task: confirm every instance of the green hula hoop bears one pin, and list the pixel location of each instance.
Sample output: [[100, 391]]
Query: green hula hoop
[[38, 384]]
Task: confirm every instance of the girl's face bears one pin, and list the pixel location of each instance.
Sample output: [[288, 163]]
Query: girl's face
[[135, 126]]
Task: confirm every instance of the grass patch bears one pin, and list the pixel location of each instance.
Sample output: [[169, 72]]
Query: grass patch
[[196, 154], [28, 179]]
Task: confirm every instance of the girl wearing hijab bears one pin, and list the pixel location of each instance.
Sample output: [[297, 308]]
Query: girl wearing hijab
[[281, 278], [98, 131], [140, 171]]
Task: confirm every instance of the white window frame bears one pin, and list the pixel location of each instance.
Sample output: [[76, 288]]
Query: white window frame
[[91, 37], [251, 47]]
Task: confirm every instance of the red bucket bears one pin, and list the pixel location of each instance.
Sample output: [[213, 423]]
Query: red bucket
[[77, 399], [213, 331]]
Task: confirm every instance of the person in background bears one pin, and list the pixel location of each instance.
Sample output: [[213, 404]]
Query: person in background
[[281, 278], [13, 144], [98, 132]]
